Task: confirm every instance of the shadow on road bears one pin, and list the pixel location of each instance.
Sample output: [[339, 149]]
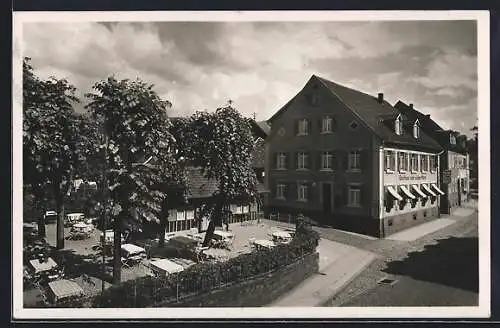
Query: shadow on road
[[451, 262]]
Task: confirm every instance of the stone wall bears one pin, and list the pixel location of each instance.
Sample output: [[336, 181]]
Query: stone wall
[[256, 292]]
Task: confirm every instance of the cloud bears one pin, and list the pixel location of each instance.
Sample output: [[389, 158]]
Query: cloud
[[261, 65]]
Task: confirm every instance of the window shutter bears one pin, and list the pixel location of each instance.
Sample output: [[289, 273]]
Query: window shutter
[[309, 126], [363, 195], [344, 160], [345, 195], [310, 192], [275, 160], [290, 160], [296, 127], [364, 159], [334, 124], [319, 161], [320, 124], [291, 190]]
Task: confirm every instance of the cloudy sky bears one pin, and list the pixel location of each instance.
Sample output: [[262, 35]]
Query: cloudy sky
[[261, 65]]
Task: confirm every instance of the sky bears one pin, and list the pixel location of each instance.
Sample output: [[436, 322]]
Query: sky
[[261, 65]]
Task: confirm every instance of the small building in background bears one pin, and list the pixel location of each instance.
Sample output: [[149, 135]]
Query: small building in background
[[455, 164]]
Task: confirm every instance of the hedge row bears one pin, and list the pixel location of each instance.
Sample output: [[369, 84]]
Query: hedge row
[[202, 277]]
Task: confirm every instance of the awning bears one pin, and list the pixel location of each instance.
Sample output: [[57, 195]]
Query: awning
[[394, 193], [418, 191], [407, 192], [429, 190], [437, 188]]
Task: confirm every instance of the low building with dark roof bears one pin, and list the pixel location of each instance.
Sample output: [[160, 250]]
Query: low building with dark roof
[[454, 160], [200, 188], [351, 160]]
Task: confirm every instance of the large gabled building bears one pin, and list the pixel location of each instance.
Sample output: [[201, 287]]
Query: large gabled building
[[455, 172], [351, 160]]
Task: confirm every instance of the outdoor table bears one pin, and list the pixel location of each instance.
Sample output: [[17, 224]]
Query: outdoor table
[[281, 236], [43, 266], [63, 288], [264, 243], [132, 253], [110, 235], [166, 267]]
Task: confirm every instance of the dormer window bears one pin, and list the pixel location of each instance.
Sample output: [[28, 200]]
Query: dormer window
[[453, 140], [398, 126], [416, 130]]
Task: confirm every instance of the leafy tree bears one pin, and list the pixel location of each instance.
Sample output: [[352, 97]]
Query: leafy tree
[[221, 144], [135, 124], [53, 146]]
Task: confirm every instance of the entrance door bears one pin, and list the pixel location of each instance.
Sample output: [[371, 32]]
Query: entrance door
[[327, 197]]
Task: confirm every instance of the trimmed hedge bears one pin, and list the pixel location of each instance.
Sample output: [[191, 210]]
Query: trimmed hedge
[[202, 277]]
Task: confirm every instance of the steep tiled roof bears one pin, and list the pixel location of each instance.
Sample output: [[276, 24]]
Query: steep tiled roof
[[374, 115], [201, 187], [428, 124], [432, 128]]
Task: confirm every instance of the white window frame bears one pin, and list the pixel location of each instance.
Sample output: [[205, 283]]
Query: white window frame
[[390, 161], [354, 196], [354, 160], [281, 161], [398, 126], [327, 124], [402, 162], [416, 131], [424, 163], [303, 127], [327, 158], [432, 163], [453, 140], [280, 191], [412, 168], [302, 161], [302, 191]]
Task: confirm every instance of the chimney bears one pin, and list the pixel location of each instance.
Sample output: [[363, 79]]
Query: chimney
[[380, 97], [428, 115], [411, 106]]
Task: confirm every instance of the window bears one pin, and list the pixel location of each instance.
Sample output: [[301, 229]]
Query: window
[[313, 99], [402, 162], [327, 161], [453, 140], [327, 124], [281, 161], [280, 191], [390, 160], [354, 196], [302, 191], [398, 126], [302, 160], [414, 162], [353, 125], [303, 127], [416, 131], [424, 163], [354, 160]]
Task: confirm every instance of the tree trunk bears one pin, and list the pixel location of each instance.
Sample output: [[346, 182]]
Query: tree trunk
[[210, 233], [215, 217], [117, 249], [163, 227], [60, 216], [41, 223]]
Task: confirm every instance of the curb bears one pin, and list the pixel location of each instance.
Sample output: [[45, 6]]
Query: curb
[[344, 285]]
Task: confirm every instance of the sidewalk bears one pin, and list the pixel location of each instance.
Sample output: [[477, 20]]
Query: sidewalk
[[338, 265], [421, 230]]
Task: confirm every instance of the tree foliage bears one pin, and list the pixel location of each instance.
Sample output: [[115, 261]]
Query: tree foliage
[[53, 145], [140, 153], [221, 144]]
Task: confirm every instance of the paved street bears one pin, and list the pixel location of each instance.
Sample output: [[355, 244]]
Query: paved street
[[440, 268]]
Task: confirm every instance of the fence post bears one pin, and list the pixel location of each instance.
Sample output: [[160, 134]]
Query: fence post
[[177, 291]]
